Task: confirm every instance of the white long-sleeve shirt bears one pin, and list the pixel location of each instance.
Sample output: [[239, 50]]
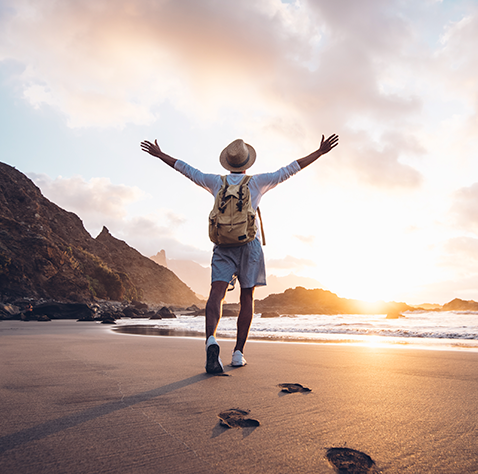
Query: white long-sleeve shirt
[[258, 185]]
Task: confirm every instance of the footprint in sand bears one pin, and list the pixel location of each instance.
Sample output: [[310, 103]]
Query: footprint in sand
[[350, 461], [235, 418], [293, 388]]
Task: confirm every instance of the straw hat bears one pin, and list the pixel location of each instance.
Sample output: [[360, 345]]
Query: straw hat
[[237, 156]]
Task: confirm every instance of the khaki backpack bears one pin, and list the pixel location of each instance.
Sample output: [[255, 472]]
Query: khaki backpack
[[232, 221]]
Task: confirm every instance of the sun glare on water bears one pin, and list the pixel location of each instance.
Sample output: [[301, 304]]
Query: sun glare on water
[[373, 341]]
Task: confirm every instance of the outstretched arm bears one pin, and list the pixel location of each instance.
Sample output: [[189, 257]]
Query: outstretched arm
[[154, 150], [325, 147]]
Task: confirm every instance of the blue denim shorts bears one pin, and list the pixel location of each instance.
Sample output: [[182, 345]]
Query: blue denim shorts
[[246, 263]]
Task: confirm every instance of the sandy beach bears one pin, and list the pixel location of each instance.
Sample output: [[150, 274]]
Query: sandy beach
[[78, 398]]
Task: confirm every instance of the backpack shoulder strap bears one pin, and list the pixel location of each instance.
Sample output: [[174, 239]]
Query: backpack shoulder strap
[[246, 180], [221, 195]]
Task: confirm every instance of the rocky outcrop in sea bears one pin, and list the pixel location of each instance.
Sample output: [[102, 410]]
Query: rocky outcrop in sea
[[302, 301]]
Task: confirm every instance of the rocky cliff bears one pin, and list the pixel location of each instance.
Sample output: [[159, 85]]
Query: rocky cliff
[[157, 283], [45, 252]]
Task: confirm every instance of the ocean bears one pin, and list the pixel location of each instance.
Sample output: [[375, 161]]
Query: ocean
[[445, 330]]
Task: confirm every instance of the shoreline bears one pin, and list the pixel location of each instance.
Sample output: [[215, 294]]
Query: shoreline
[[433, 344], [10, 328]]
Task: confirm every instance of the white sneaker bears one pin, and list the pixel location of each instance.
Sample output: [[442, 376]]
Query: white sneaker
[[238, 359], [213, 361]]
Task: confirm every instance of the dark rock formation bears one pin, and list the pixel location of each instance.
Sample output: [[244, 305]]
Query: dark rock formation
[[43, 317], [131, 312], [302, 301], [140, 306], [108, 321], [63, 310], [166, 313], [270, 314], [108, 316], [48, 311], [87, 318], [46, 253]]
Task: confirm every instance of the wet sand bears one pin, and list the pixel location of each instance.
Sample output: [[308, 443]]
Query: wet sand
[[78, 398]]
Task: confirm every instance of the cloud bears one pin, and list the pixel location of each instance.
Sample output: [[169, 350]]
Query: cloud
[[109, 64], [458, 65], [105, 64], [459, 258], [306, 239], [459, 54], [445, 291], [379, 163], [464, 209], [464, 250], [93, 200], [363, 41], [279, 71]]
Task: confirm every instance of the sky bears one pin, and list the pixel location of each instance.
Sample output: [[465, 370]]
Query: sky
[[390, 214]]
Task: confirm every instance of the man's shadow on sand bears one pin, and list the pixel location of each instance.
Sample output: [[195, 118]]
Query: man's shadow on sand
[[51, 427]]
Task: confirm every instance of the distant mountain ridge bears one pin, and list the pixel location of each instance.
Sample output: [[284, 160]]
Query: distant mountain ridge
[[45, 252], [197, 277]]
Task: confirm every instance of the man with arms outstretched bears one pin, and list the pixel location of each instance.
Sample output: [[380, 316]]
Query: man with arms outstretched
[[244, 262]]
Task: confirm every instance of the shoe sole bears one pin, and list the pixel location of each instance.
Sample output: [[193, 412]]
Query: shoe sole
[[213, 366]]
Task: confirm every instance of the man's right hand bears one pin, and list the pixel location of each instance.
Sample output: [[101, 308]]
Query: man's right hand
[[325, 147]]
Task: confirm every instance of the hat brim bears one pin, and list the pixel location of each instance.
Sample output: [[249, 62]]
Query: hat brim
[[250, 162]]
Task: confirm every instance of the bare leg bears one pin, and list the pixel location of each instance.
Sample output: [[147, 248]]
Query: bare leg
[[244, 319], [214, 306]]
